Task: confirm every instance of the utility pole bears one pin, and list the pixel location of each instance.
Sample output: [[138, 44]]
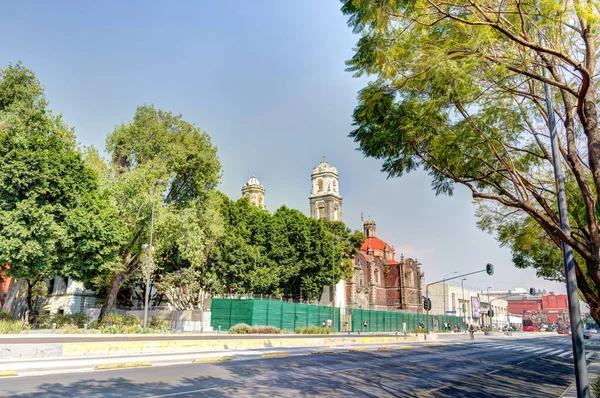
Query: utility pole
[[333, 283], [489, 305], [581, 372], [444, 289], [147, 297], [463, 306]]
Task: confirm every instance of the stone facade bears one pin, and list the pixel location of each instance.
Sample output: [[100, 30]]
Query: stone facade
[[379, 281], [325, 199], [254, 191]]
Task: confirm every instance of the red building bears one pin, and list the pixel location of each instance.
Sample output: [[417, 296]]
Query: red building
[[379, 281], [525, 305], [552, 308]]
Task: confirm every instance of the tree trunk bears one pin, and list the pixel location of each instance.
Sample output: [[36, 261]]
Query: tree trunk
[[13, 290], [30, 317], [111, 297]]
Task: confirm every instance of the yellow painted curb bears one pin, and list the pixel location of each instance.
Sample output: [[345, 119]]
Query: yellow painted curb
[[278, 355], [8, 373], [322, 352], [357, 349], [385, 348], [122, 365], [405, 346], [442, 345], [456, 343], [212, 359], [428, 345]]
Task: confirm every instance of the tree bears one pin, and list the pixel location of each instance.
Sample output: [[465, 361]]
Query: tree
[[460, 93], [160, 145], [51, 220]]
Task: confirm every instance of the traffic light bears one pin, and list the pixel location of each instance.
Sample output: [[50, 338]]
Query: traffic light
[[491, 313], [531, 291], [489, 268], [426, 303]]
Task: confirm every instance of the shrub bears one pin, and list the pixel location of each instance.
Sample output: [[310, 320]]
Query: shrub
[[71, 329], [132, 320], [112, 319], [419, 330], [5, 316], [240, 328], [595, 387], [157, 322], [549, 329], [10, 327], [265, 330], [314, 330], [78, 319], [286, 331]]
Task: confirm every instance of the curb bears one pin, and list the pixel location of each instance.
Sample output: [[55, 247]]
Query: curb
[[405, 346], [122, 365], [357, 350], [212, 359], [278, 355], [385, 348], [8, 373]]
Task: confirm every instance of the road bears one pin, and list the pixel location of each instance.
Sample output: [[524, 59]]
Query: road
[[491, 368]]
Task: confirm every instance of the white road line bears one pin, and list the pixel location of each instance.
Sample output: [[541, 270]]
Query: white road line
[[564, 354], [554, 352], [545, 352], [588, 355], [184, 392], [510, 347], [532, 349]]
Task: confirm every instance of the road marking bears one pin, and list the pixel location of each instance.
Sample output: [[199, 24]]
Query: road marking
[[510, 347], [554, 352], [277, 355], [8, 373], [439, 388], [588, 355], [122, 365], [545, 351], [212, 359], [322, 352], [564, 354], [493, 371], [184, 392]]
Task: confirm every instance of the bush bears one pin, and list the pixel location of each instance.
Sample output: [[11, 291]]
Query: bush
[[286, 331], [10, 327], [157, 322], [595, 387], [240, 328], [265, 330], [5, 316], [112, 319], [132, 320], [314, 330], [71, 329], [549, 329], [419, 330]]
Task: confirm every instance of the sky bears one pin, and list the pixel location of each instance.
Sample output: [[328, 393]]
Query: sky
[[266, 79]]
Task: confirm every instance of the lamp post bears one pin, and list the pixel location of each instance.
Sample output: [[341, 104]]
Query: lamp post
[[489, 304], [180, 290], [333, 240], [444, 289], [464, 305], [147, 298]]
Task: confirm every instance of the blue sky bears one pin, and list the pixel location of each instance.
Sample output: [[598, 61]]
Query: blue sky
[[266, 79]]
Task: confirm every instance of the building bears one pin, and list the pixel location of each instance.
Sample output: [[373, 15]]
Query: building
[[379, 281], [68, 296], [254, 191], [551, 308], [522, 305], [325, 198], [472, 305]]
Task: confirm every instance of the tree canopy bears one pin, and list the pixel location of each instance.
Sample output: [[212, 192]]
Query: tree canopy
[[459, 92]]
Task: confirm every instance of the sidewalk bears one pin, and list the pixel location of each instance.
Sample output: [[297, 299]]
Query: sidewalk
[[593, 374]]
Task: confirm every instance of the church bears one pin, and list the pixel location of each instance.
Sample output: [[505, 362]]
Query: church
[[379, 281]]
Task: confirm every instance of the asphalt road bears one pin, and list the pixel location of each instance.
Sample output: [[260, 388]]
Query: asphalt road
[[485, 368]]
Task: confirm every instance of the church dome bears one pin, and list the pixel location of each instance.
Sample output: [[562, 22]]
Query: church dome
[[324, 167], [253, 181], [369, 222]]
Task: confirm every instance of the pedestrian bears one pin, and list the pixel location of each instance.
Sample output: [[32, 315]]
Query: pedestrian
[[324, 325], [472, 332], [404, 327], [365, 325]]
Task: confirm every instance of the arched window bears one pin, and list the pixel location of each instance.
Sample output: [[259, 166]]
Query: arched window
[[376, 275], [321, 210], [335, 212], [320, 184]]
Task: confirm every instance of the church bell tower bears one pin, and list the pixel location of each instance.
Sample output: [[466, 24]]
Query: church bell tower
[[325, 199]]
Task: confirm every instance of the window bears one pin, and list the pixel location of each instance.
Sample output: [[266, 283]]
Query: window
[[320, 184], [376, 275], [335, 212], [453, 302], [320, 210]]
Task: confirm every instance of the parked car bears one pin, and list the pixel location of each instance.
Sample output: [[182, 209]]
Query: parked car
[[564, 331], [587, 334]]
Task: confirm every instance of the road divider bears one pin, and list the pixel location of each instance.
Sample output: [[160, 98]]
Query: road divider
[[357, 349], [212, 359], [276, 355], [8, 373], [402, 347], [385, 348], [126, 365], [322, 352]]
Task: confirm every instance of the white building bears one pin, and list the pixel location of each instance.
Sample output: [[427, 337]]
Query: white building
[[470, 304], [68, 296]]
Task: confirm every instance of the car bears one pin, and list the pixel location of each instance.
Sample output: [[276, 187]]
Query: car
[[564, 331], [587, 334]]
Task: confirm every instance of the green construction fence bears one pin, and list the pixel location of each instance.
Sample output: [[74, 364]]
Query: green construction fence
[[228, 312]]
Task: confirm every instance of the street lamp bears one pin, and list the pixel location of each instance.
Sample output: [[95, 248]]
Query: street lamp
[[444, 289], [180, 290], [463, 306], [489, 304], [333, 240], [147, 298]]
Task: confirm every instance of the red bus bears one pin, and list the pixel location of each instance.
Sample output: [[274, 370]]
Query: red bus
[[530, 326]]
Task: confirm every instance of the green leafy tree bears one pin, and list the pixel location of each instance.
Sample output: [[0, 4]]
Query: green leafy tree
[[459, 92], [160, 145], [52, 221]]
